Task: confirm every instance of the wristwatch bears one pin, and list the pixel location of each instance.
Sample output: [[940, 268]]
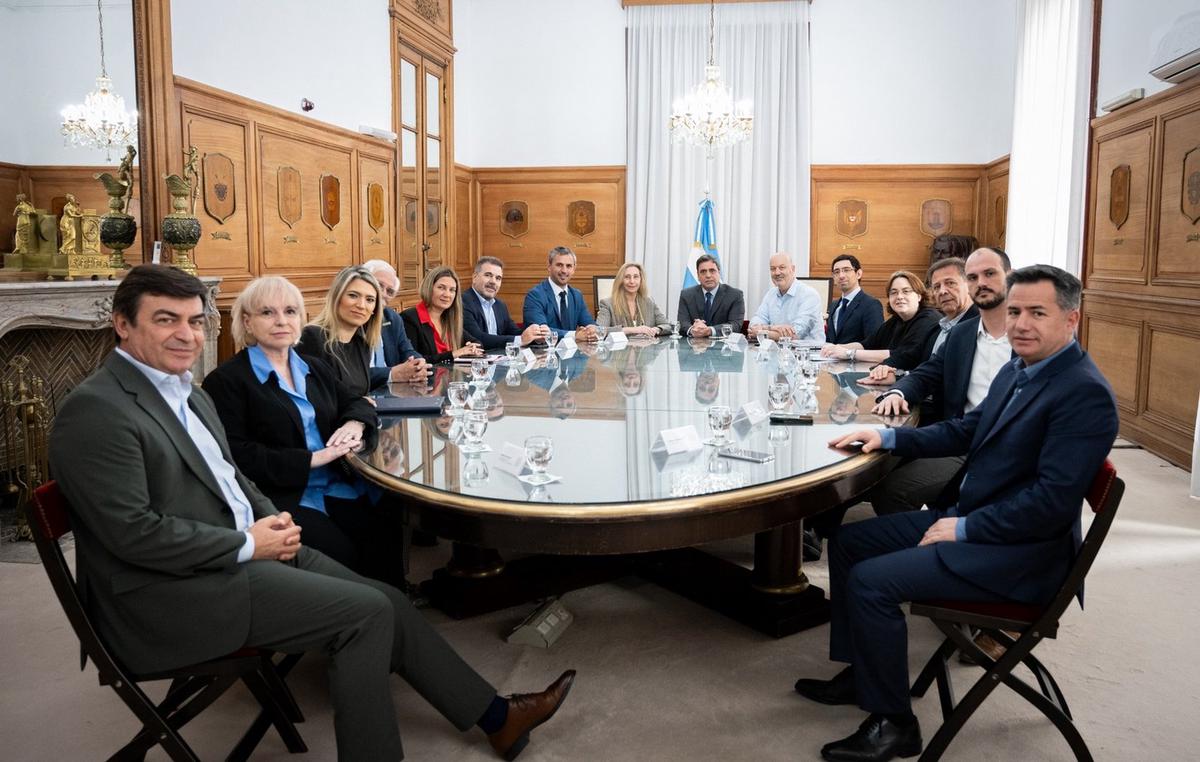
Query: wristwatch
[[900, 373]]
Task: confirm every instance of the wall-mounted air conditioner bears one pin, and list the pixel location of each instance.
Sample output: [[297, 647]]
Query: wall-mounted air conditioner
[[1178, 55]]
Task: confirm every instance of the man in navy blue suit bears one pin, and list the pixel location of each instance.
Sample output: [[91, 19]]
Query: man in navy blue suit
[[1006, 528], [485, 317], [554, 303], [394, 359], [957, 376], [855, 315]]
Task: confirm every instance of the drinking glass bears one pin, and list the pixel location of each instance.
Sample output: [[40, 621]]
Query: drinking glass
[[601, 333], [512, 351], [675, 329], [480, 370], [551, 339], [512, 377], [726, 330], [475, 472], [762, 337], [779, 395], [787, 360], [458, 392], [539, 451], [779, 436], [720, 418], [808, 371], [474, 426]]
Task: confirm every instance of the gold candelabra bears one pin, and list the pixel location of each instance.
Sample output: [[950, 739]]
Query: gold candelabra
[[25, 415]]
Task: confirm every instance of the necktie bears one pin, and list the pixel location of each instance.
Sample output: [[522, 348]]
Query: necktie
[[562, 308], [708, 300], [837, 315]]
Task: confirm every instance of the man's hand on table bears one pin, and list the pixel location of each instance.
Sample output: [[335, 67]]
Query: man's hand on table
[[869, 437]]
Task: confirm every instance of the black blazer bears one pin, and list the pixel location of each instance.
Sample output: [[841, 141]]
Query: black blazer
[[475, 324], [729, 306], [421, 336], [262, 423], [909, 342], [861, 318], [352, 367]]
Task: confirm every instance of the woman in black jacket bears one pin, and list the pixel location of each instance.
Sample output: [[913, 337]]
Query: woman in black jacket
[[902, 341], [435, 325], [348, 326], [289, 422]]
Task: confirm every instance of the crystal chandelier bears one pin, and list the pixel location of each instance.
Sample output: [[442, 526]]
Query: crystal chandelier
[[707, 116], [102, 121]]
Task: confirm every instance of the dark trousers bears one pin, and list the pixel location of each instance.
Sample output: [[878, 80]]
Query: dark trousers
[[368, 629], [874, 566], [355, 534]]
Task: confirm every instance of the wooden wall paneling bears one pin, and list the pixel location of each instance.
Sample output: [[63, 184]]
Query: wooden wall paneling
[[430, 18], [45, 183], [993, 228], [1172, 387], [377, 169], [1114, 340], [1177, 260], [894, 194], [228, 248], [159, 122], [466, 224], [1118, 253], [548, 192]]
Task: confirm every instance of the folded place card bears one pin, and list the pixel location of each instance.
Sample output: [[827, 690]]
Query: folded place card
[[766, 344], [568, 340], [616, 339], [752, 412], [528, 356], [737, 341], [511, 459], [569, 352], [677, 440]]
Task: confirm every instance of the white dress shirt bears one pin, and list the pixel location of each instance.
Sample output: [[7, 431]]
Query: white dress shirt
[[799, 307], [990, 356]]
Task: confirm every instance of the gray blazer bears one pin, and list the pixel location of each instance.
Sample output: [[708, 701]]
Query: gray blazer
[[156, 545], [606, 317], [729, 306]]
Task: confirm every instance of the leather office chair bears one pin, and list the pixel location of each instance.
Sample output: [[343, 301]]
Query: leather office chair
[[192, 688], [960, 621]]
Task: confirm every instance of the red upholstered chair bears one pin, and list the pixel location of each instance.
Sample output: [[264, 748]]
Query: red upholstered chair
[[960, 621], [192, 688]]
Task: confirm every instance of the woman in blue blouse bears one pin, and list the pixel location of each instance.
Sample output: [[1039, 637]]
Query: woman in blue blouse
[[290, 421]]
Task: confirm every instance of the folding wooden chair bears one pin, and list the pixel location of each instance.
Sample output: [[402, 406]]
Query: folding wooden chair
[[192, 687], [961, 621]]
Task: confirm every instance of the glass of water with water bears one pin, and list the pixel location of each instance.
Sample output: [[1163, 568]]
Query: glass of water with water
[[474, 425], [458, 392], [779, 395], [481, 370], [539, 451], [720, 418], [726, 330], [512, 350]]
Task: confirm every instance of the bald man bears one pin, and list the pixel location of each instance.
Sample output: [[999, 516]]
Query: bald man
[[789, 309]]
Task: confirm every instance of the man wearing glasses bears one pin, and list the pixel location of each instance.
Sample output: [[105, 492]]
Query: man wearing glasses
[[394, 360]]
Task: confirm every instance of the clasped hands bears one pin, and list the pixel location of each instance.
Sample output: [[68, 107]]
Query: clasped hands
[[276, 538], [774, 332], [414, 370], [470, 349], [347, 439]]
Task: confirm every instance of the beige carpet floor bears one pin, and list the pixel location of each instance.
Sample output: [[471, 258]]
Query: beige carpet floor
[[661, 678]]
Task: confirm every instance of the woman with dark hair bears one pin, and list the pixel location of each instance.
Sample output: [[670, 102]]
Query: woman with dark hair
[[347, 327], [435, 325], [902, 341]]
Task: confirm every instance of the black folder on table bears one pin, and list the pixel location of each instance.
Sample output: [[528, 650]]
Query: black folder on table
[[413, 406]]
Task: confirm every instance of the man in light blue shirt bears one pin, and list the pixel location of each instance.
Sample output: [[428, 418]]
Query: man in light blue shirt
[[789, 309]]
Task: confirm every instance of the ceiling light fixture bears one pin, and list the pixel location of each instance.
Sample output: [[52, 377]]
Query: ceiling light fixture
[[102, 121]]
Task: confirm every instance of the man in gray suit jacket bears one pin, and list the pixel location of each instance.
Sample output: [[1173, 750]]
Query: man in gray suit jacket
[[181, 559], [710, 303]]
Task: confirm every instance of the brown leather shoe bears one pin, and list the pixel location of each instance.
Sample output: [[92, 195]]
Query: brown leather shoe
[[525, 712]]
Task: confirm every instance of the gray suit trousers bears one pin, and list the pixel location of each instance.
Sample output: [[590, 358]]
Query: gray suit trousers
[[368, 629], [912, 484]]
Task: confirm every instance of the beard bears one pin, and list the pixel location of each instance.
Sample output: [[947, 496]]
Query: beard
[[987, 300]]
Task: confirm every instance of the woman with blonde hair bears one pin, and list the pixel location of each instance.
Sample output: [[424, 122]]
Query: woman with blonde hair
[[630, 307], [347, 327], [435, 325], [263, 392]]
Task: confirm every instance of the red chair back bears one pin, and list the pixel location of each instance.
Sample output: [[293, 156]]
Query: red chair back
[[1099, 493]]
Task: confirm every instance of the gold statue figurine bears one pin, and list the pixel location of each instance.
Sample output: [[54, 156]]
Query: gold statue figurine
[[125, 176], [68, 226], [191, 173], [24, 214]]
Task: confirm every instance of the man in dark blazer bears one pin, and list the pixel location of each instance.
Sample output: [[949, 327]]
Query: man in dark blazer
[[1006, 528], [957, 378], [855, 315], [394, 360], [497, 329], [181, 559], [555, 303], [710, 303]]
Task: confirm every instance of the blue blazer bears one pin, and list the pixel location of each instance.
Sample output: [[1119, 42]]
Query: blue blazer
[[946, 375], [542, 308], [475, 324], [861, 318], [1029, 465], [396, 347]]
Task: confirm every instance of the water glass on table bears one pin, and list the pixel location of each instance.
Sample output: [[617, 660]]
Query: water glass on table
[[458, 392], [726, 330], [481, 370], [474, 425], [779, 395], [720, 418], [512, 350], [539, 451]]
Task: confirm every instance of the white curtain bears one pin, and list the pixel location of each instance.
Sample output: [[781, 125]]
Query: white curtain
[[760, 188], [1050, 122]]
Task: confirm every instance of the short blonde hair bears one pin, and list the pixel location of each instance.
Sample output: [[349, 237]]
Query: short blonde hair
[[257, 293], [329, 322]]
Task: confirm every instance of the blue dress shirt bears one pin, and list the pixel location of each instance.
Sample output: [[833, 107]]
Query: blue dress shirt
[[799, 307]]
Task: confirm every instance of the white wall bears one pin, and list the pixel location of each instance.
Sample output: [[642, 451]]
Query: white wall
[[919, 81], [539, 82], [336, 54], [1130, 31], [50, 59]]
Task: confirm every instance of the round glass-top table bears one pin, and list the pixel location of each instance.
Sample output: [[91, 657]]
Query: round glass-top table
[[618, 490]]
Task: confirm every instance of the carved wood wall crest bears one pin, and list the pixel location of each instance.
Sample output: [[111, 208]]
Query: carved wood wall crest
[[1118, 195], [331, 201], [1189, 200], [581, 218], [375, 206], [514, 218], [1000, 216], [430, 10], [290, 208], [220, 201], [937, 217], [852, 217]]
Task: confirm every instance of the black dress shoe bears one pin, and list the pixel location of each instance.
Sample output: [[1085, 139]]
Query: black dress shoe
[[835, 692], [878, 739], [812, 546]]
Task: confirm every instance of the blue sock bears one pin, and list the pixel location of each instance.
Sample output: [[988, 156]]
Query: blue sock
[[494, 716]]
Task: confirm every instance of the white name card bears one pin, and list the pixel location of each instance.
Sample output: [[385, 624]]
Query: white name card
[[737, 341], [511, 459], [677, 440], [567, 341], [616, 339], [752, 413], [528, 357], [765, 345]]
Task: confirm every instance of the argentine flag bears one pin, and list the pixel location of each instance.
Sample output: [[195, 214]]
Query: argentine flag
[[705, 242]]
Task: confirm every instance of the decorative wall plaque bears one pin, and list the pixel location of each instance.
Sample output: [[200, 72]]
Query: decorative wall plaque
[[433, 217], [430, 10], [410, 217], [331, 201], [581, 218], [375, 205], [852, 217], [290, 209], [514, 218], [219, 198], [1000, 216], [937, 217], [1189, 200], [1118, 195]]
